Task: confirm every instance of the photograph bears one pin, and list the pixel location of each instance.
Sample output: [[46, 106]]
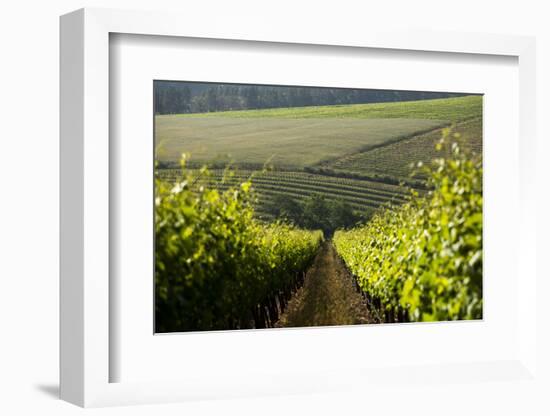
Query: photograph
[[279, 206]]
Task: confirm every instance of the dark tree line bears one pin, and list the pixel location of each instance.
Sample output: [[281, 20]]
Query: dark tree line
[[185, 97], [316, 212]]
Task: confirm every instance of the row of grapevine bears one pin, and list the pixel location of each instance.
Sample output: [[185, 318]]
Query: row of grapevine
[[363, 196], [216, 267], [299, 177], [307, 187], [422, 261]]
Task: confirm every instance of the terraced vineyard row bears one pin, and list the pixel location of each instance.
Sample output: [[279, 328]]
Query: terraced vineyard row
[[373, 195], [363, 196], [395, 159]]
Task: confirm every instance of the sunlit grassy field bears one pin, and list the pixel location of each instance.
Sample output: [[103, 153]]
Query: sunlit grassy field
[[291, 143], [303, 136]]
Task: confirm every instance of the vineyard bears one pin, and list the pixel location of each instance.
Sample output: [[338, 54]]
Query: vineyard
[[363, 196], [326, 215], [202, 235], [360, 154], [398, 159], [303, 137], [423, 260]]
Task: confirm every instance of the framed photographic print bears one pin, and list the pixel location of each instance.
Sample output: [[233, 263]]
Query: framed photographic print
[[287, 213], [284, 206]]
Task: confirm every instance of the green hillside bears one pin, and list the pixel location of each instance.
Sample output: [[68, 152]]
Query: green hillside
[[303, 136], [451, 109], [353, 153], [396, 159], [290, 143]]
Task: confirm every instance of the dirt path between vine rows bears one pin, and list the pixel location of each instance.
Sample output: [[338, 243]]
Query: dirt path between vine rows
[[328, 296]]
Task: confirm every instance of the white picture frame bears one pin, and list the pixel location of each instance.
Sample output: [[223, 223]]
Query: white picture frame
[[85, 352]]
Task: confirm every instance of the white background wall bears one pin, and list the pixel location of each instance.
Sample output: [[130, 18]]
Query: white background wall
[[29, 57]]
